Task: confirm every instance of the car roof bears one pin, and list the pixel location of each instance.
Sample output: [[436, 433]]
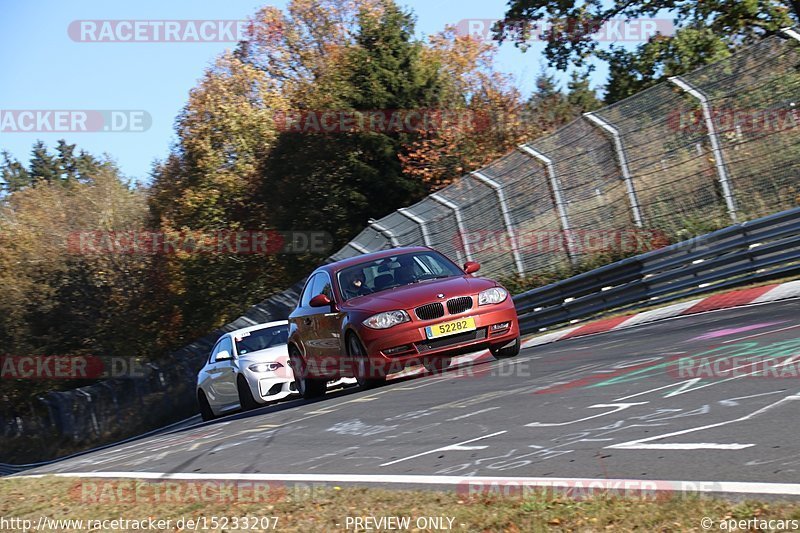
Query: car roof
[[363, 258], [258, 326]]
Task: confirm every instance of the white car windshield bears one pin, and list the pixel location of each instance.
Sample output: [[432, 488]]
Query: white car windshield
[[261, 339]]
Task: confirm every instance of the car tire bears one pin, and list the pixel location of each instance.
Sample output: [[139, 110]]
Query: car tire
[[246, 400], [436, 365], [205, 408], [509, 351], [364, 368], [307, 387]]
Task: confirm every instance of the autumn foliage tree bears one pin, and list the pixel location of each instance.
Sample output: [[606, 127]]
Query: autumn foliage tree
[[59, 298]]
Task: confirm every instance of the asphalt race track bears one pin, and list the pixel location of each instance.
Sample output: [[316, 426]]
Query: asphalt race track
[[614, 406]]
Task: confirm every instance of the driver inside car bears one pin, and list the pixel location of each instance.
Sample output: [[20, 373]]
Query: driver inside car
[[407, 271], [353, 284]]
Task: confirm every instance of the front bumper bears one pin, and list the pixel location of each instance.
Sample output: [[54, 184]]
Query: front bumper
[[270, 386], [408, 343]]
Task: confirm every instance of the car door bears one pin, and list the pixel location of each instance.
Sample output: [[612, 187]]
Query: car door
[[328, 327], [301, 319], [222, 375]]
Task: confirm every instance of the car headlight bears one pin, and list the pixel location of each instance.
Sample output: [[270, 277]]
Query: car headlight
[[495, 295], [265, 367], [387, 319]]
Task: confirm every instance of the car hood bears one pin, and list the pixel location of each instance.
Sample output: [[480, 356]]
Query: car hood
[[409, 296]]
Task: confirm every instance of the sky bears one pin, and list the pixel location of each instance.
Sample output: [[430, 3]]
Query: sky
[[47, 68]]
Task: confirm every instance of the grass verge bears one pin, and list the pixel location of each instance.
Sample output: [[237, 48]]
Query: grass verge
[[305, 508]]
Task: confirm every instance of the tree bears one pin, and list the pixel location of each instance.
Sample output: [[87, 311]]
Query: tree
[[342, 179], [481, 113], [207, 185], [660, 58], [60, 298], [44, 166], [14, 173], [714, 23]]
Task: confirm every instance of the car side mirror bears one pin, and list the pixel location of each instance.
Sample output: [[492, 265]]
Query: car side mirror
[[320, 300], [224, 355], [471, 266]]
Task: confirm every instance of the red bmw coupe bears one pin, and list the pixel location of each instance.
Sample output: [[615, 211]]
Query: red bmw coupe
[[374, 314]]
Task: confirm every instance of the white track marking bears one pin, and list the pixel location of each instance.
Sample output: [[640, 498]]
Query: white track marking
[[472, 414], [618, 407], [452, 447], [732, 401], [639, 444], [732, 487], [683, 385]]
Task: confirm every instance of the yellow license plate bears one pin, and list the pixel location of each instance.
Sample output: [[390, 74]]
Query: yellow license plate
[[450, 328]]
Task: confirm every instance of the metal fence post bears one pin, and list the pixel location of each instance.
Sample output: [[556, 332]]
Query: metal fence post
[[791, 32], [459, 221], [512, 235], [558, 197], [383, 229], [719, 160], [623, 165], [409, 214], [357, 247]]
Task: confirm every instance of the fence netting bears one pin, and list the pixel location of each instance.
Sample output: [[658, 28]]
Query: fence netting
[[714, 147]]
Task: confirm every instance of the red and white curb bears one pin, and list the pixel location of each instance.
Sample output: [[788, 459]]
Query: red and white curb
[[766, 293]]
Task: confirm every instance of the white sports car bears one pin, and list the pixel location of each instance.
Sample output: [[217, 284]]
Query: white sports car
[[247, 368]]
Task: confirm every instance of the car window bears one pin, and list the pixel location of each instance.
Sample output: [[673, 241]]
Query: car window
[[322, 285], [261, 339], [308, 291], [214, 351], [223, 344], [395, 271]]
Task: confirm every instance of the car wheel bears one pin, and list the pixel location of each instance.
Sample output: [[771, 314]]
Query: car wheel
[[366, 375], [508, 351], [306, 386], [436, 364], [205, 408], [246, 400]]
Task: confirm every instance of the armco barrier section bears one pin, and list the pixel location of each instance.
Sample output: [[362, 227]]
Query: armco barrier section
[[764, 248]]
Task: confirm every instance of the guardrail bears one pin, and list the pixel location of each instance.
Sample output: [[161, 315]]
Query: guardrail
[[764, 248]]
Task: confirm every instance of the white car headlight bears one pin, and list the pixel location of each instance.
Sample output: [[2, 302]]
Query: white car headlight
[[495, 295], [265, 367], [387, 319]]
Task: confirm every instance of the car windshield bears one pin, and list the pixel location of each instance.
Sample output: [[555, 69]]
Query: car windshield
[[260, 339], [394, 271]]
